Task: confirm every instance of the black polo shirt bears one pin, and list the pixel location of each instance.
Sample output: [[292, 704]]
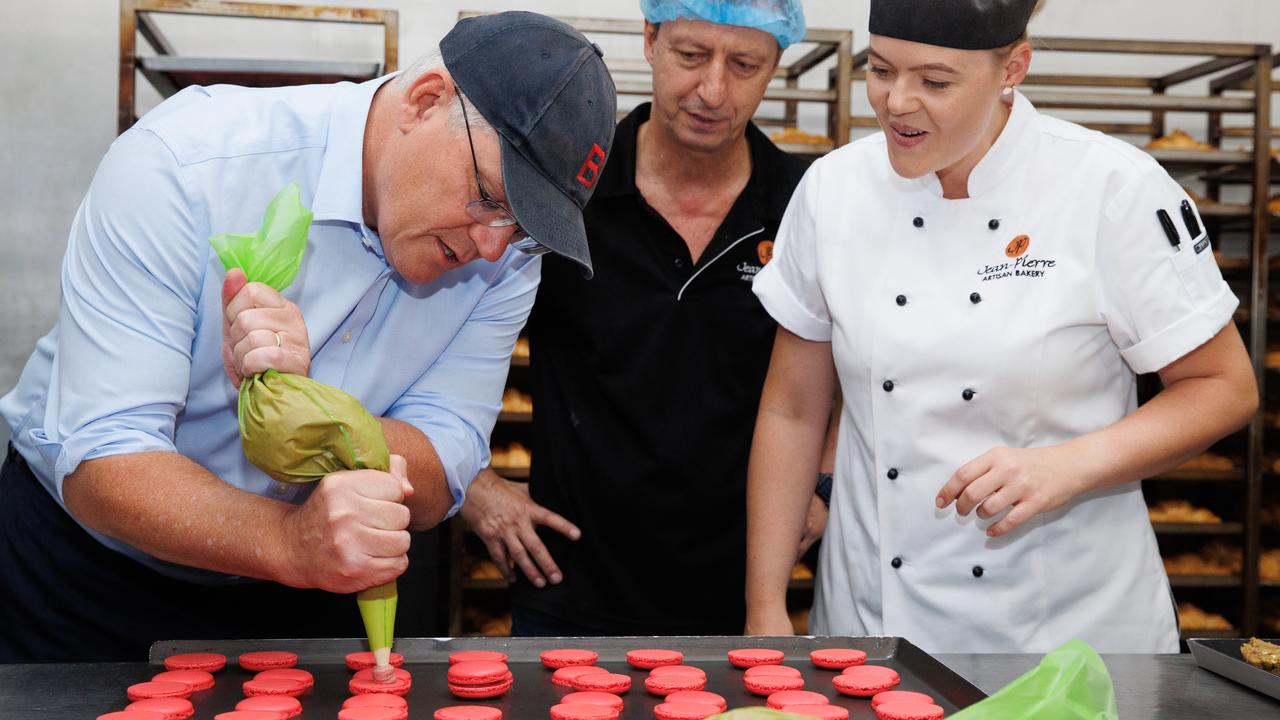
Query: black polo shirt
[[646, 381]]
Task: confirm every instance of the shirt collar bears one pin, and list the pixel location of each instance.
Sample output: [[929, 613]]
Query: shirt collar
[[340, 189], [997, 164], [767, 188]]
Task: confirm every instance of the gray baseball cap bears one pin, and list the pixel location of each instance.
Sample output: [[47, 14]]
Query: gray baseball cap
[[546, 91]]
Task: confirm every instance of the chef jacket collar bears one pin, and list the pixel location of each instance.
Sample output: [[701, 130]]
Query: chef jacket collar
[[997, 165]]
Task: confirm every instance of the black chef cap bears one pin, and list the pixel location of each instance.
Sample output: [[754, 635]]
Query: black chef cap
[[960, 24]]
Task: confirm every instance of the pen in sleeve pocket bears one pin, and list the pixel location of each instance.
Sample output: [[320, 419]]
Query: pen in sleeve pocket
[[1170, 231]]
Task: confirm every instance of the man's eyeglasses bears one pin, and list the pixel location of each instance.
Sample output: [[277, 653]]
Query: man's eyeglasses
[[490, 212]]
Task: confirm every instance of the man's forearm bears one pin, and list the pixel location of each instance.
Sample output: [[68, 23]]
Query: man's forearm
[[432, 497], [173, 509]]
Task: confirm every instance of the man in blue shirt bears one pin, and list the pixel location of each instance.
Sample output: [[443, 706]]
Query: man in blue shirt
[[126, 488]]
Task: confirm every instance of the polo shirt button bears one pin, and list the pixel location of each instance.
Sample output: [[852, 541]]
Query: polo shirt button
[[994, 224], [896, 563], [975, 298], [918, 222], [977, 571], [346, 336], [901, 300], [888, 386], [679, 262], [967, 395], [893, 473]]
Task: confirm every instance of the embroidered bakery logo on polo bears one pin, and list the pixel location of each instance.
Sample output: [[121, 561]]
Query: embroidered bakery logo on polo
[[1022, 265], [764, 251]]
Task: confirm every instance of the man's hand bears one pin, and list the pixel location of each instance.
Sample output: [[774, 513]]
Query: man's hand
[[814, 524], [1024, 481], [503, 515], [260, 330], [351, 534]]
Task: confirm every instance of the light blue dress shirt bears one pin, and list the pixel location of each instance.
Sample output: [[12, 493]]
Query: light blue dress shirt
[[134, 362]]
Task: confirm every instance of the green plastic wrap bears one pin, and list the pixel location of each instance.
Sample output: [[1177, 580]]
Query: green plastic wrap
[[272, 254], [1070, 683], [298, 430], [293, 428]]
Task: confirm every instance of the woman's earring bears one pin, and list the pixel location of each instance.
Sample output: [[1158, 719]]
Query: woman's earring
[[1008, 90]]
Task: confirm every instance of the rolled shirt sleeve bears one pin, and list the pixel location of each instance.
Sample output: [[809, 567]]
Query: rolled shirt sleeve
[[457, 400], [130, 287], [1160, 303], [788, 286]]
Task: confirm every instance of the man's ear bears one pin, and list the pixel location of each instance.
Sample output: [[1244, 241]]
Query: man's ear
[[431, 92], [650, 37]]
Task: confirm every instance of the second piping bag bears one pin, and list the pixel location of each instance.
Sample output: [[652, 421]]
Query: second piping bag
[[293, 428]]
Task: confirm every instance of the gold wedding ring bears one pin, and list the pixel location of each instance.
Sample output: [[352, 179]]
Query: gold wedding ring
[[277, 334]]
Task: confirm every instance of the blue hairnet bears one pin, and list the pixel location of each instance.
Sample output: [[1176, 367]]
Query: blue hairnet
[[783, 19]]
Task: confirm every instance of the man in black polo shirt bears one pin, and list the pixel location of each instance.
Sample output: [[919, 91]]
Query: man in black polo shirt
[[646, 378]]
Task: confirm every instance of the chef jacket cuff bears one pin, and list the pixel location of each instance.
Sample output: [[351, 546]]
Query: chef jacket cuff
[[1160, 350], [788, 311]]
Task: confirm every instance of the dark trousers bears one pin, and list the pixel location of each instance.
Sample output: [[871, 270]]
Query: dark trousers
[[64, 597]]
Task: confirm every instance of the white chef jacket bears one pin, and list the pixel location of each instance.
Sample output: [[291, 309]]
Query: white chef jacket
[[1016, 317]]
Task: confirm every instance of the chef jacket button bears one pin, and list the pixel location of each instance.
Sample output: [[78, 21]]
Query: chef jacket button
[[918, 222], [679, 262], [967, 395], [896, 563], [977, 571], [893, 473], [994, 224], [901, 300], [888, 386], [975, 298]]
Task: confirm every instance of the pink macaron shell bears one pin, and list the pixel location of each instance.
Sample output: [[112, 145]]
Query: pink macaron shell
[[468, 712], [592, 698], [362, 683], [478, 672], [796, 697], [256, 687], [366, 660], [603, 682], [161, 689], [372, 712], [751, 657], [769, 684], [376, 699], [826, 712], [684, 711], [481, 692], [132, 715], [678, 670], [568, 656], [667, 684], [296, 674], [649, 658], [209, 662], [865, 680], [582, 711], [564, 676], [174, 708], [197, 679], [248, 715], [699, 696], [267, 660], [901, 696], [288, 706], [470, 655], [837, 658], [908, 711], [772, 671]]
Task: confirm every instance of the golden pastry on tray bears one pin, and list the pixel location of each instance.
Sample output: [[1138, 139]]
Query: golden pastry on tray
[[1181, 511], [1191, 617], [1178, 140], [796, 136]]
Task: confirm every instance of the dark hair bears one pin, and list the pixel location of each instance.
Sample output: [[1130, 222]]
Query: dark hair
[[1005, 51]]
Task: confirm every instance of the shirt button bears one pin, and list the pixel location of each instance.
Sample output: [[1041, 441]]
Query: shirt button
[[977, 569], [679, 263], [994, 224], [896, 563], [893, 473], [281, 488], [918, 222], [346, 336], [975, 298], [888, 386], [901, 300], [967, 395]]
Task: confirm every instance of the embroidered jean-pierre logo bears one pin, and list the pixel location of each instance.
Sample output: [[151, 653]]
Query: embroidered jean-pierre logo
[[764, 253], [1020, 264]]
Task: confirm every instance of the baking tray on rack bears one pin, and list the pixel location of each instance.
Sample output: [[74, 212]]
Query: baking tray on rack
[[533, 694], [1222, 656]]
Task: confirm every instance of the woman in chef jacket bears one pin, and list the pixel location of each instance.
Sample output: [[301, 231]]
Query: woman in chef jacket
[[984, 282]]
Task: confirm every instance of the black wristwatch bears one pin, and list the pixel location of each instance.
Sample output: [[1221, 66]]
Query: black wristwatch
[[823, 491]]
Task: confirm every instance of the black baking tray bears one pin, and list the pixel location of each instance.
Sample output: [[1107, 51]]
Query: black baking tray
[[533, 693], [1222, 656]]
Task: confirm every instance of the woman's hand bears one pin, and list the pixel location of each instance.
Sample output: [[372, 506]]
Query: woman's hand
[[1024, 481]]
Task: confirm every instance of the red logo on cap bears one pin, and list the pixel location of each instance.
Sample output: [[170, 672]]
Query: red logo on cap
[[590, 171]]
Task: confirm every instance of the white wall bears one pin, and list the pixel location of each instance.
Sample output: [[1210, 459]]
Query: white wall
[[58, 96]]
